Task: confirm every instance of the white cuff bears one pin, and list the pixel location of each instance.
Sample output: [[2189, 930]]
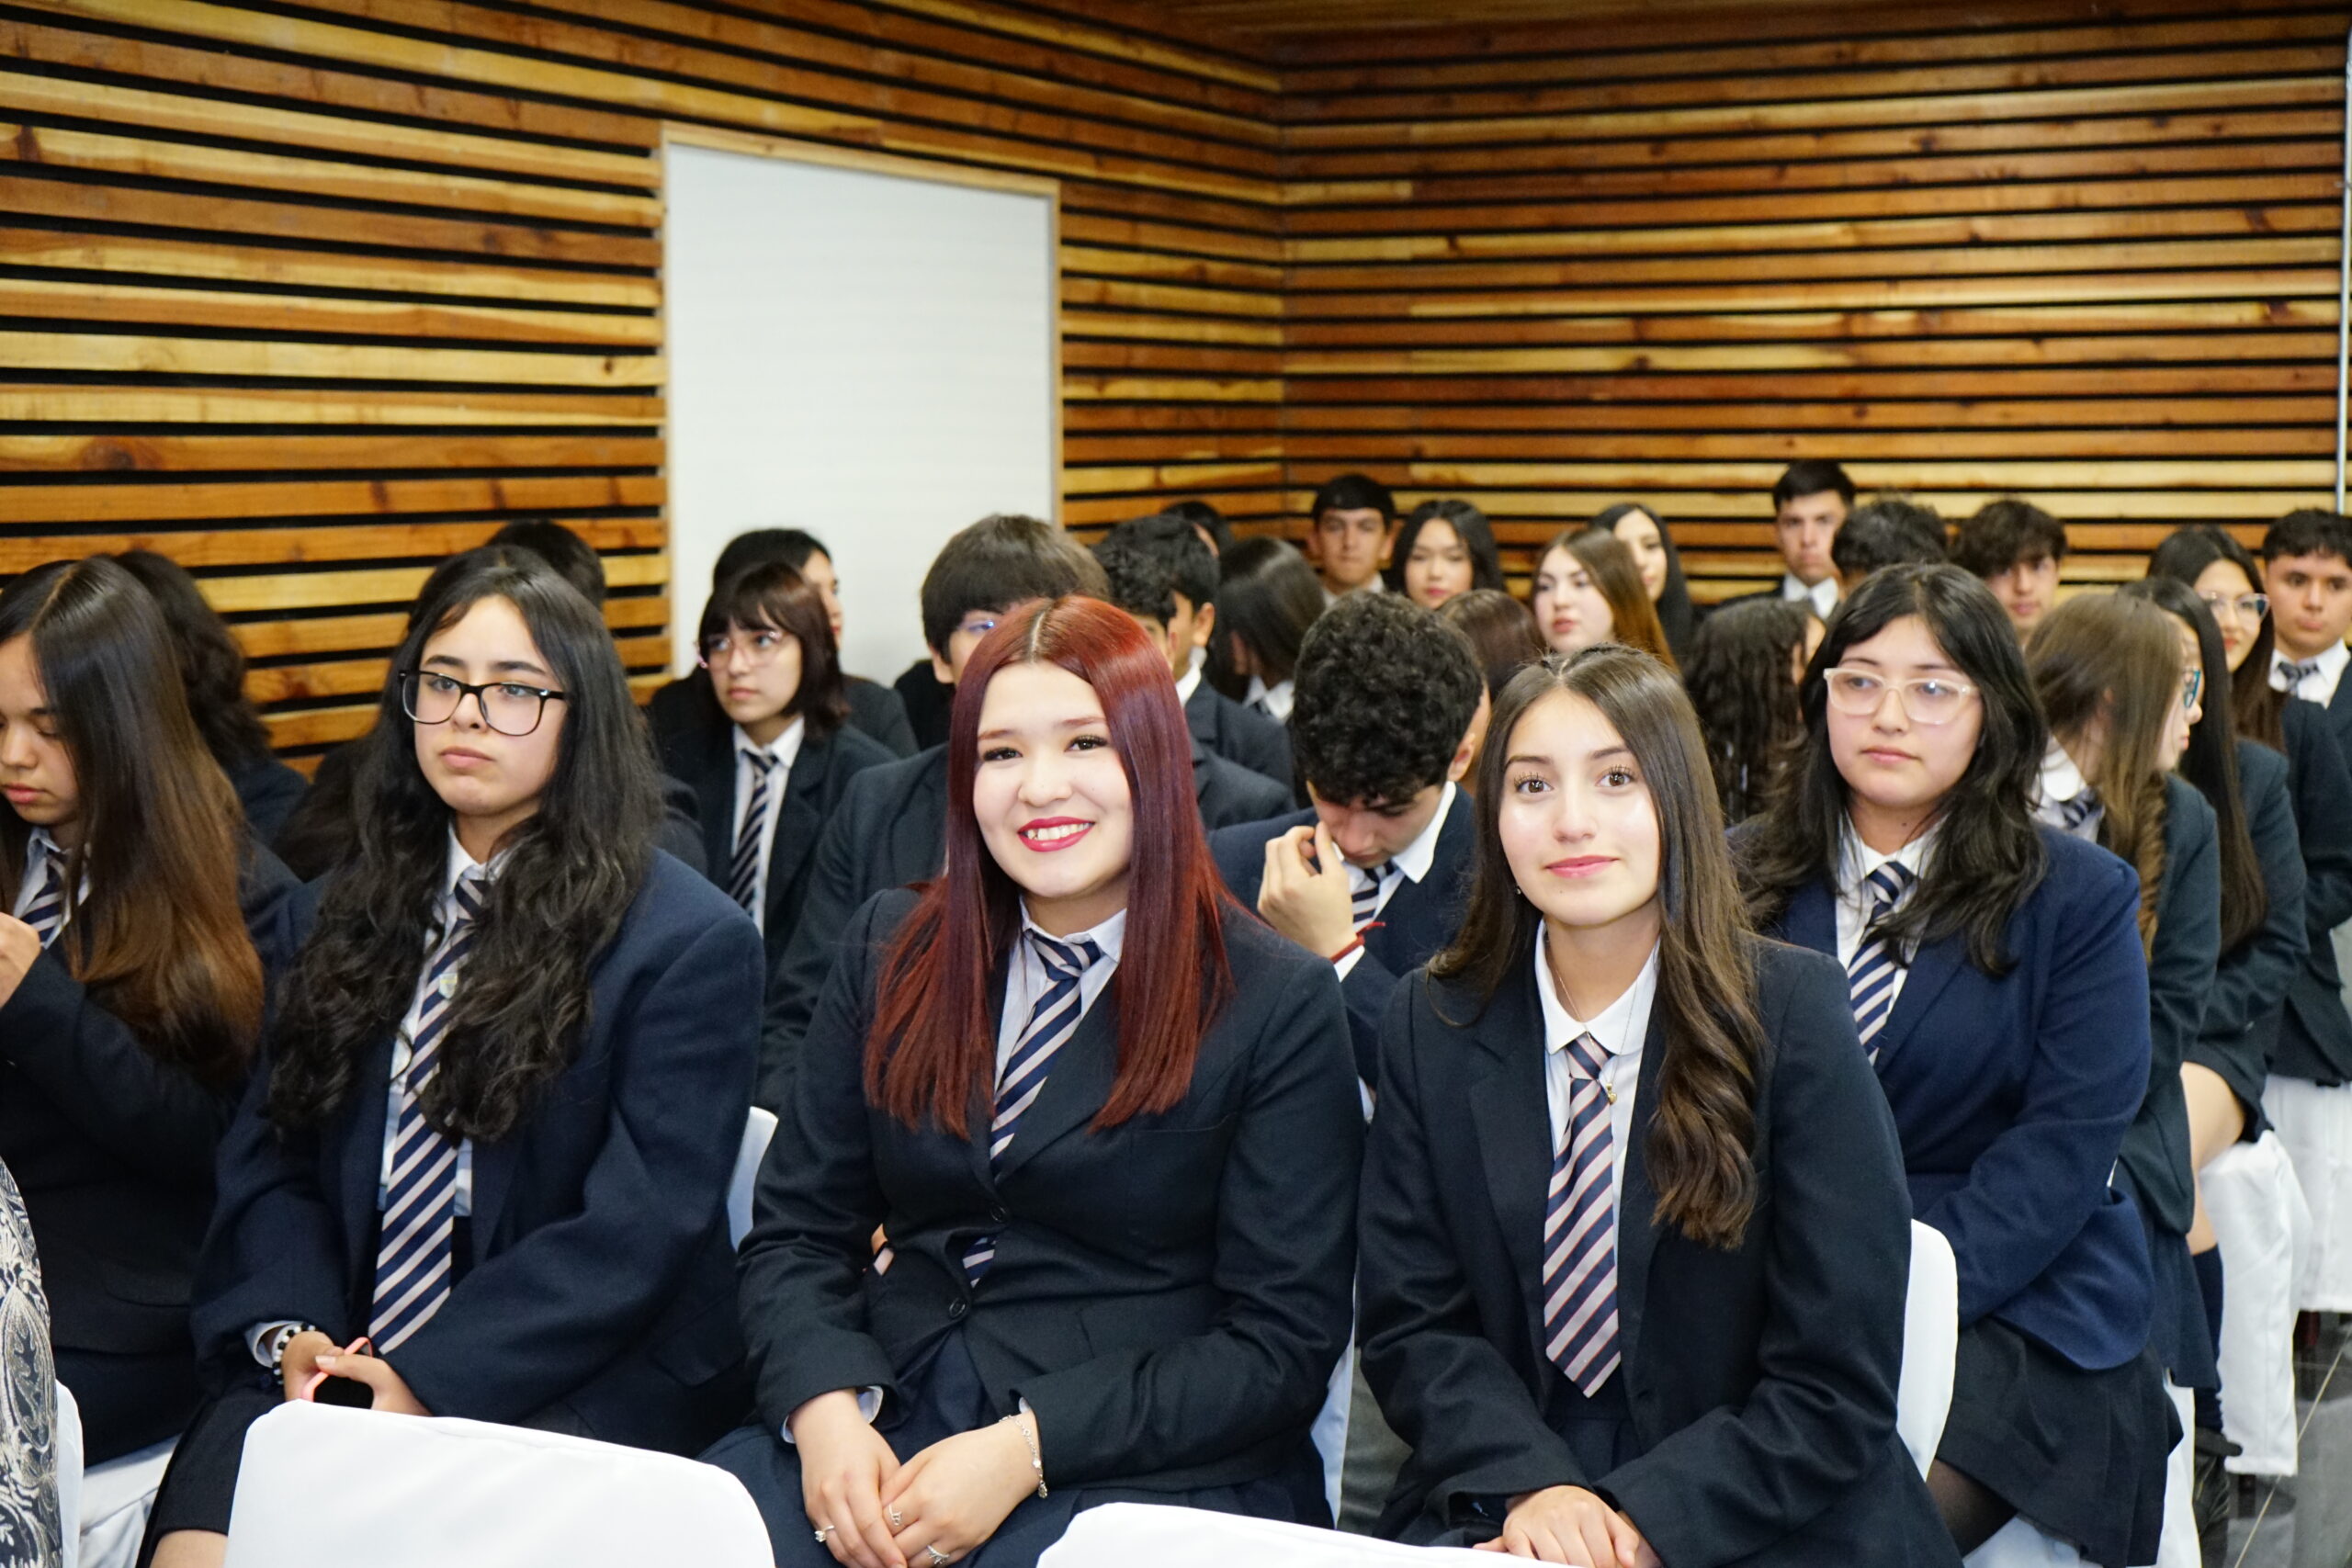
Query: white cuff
[[869, 1405], [1348, 960]]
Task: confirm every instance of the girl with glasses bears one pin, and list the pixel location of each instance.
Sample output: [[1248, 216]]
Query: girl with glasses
[[483, 1171], [1635, 1239], [1109, 1123], [2000, 989], [767, 777], [144, 931], [2121, 693]]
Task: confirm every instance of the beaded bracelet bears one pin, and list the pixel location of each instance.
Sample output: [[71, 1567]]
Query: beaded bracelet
[[1036, 1462]]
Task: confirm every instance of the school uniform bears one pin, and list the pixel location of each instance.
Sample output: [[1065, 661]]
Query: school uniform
[[2240, 1027], [1822, 596], [1167, 1296], [1257, 742], [762, 807], [1527, 1322], [113, 1149], [2012, 1095], [1228, 793], [267, 793], [1406, 911], [1274, 701], [930, 703], [687, 702], [585, 1282]]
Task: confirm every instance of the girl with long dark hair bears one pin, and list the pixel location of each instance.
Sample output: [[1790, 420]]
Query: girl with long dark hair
[[1444, 548], [1266, 598], [1109, 1124], [1633, 1239], [1746, 664], [1643, 531], [484, 1172], [145, 931], [2000, 988], [1588, 591]]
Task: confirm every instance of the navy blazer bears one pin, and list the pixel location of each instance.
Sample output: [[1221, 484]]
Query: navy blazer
[[267, 792], [2155, 1158], [599, 1290], [704, 757], [2012, 1095], [1240, 734], [2315, 1033], [1417, 922], [1760, 1380], [114, 1149], [2241, 1024], [1168, 1295]]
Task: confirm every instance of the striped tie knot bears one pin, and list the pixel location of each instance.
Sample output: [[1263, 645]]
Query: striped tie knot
[[1587, 1057], [46, 914], [1889, 883], [2298, 672], [1065, 960], [1878, 964], [1368, 881], [2072, 814]]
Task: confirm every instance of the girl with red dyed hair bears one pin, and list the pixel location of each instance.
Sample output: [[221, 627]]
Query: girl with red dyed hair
[[1109, 1123]]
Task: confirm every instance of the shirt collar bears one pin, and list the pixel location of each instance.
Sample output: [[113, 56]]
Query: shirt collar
[[1106, 936], [459, 863], [39, 843], [1620, 1026], [2331, 661], [2060, 780], [1856, 860], [1822, 594], [1186, 685], [783, 749], [1416, 858]]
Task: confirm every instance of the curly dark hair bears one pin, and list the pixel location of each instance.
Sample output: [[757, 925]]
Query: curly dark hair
[[1384, 693], [1742, 679], [572, 869], [1150, 560], [212, 665]]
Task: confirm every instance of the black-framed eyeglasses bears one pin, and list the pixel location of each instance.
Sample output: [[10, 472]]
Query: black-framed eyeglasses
[[507, 707]]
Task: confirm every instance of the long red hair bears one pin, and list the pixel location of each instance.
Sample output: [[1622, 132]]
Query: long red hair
[[932, 1045]]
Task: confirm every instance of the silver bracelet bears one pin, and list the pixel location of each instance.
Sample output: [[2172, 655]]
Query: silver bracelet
[[1036, 1462]]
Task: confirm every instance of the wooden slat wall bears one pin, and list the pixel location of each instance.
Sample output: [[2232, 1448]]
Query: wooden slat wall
[[309, 297], [2088, 254]]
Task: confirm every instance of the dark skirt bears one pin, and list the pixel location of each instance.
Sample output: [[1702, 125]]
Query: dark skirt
[[2079, 1454], [943, 1395], [2177, 1334]]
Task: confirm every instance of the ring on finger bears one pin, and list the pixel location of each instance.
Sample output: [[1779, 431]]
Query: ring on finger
[[897, 1523], [937, 1556], [822, 1531]]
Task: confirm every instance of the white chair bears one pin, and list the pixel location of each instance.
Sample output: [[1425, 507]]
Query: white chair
[[1930, 1344], [1152, 1535], [2315, 1126], [116, 1497], [1329, 1432], [68, 1448], [757, 1130], [324, 1484], [2258, 1213], [2019, 1545]]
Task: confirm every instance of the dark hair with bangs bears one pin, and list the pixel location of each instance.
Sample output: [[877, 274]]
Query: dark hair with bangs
[[1469, 525], [2258, 711], [932, 1044], [774, 597], [1702, 1133], [1989, 855], [574, 559], [2005, 533], [1266, 598], [573, 868], [1002, 560]]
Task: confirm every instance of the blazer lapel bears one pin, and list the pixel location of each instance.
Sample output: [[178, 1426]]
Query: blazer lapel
[[1637, 1199], [494, 1180], [797, 819], [1932, 968], [920, 831], [362, 1164], [1811, 919], [1512, 1116], [714, 783], [1077, 1084]]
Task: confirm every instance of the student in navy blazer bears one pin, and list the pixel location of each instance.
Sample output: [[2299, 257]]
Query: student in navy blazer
[[1698, 1367], [2014, 1053], [141, 938], [1109, 1126], [492, 1139], [1372, 874]]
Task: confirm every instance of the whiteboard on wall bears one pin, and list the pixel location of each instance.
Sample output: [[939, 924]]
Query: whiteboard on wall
[[867, 348]]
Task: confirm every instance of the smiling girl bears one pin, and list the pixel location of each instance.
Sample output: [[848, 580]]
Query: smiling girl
[[1634, 1240], [484, 1172], [2000, 989], [1110, 1125]]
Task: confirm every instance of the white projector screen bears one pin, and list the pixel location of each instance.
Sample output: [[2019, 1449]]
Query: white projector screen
[[867, 353]]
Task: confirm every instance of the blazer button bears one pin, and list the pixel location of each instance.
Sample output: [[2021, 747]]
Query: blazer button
[[997, 1214], [958, 1307]]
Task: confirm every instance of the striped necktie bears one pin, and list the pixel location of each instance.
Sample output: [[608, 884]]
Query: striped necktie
[[1368, 881], [2072, 814], [2298, 673], [1053, 1018], [743, 878], [1580, 1231], [1878, 962], [46, 914], [412, 1247]]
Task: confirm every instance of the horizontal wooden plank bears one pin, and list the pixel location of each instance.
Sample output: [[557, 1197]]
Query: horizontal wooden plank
[[227, 500], [364, 677], [127, 454], [1130, 388], [124, 304], [1554, 507], [2193, 381], [1172, 329], [1984, 474], [1255, 304], [1256, 243], [1759, 357], [1171, 475], [2010, 417], [378, 585], [79, 403], [1161, 267], [314, 635], [1209, 357], [1421, 447], [132, 353]]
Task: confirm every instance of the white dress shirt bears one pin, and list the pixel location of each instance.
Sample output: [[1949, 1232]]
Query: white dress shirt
[[38, 846], [2318, 686], [2060, 782], [785, 748], [1823, 593], [1414, 860], [1186, 685], [1857, 900], [1276, 698], [1623, 1028], [1025, 978]]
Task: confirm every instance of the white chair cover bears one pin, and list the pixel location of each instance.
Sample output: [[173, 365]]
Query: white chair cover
[[1930, 1344], [2019, 1545], [1331, 1429], [323, 1484], [69, 1478], [2176, 1547], [757, 1130], [2315, 1126], [2258, 1213], [116, 1497], [1151, 1535]]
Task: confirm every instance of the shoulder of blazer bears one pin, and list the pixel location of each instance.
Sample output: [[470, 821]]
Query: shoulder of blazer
[[2189, 816], [886, 787], [874, 924], [2079, 876], [849, 751], [2260, 769], [675, 903]]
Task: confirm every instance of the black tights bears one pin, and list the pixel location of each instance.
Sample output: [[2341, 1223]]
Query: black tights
[[1971, 1511]]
